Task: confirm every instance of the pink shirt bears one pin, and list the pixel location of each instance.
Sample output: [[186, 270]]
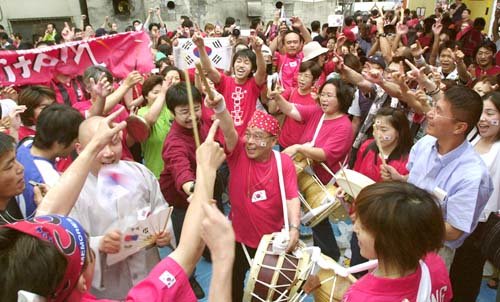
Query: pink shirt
[[256, 206], [166, 282], [291, 130], [335, 138], [83, 108], [288, 68], [368, 163], [241, 100], [377, 289]]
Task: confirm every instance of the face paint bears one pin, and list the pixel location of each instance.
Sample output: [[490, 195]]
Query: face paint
[[263, 144], [387, 138], [494, 122]]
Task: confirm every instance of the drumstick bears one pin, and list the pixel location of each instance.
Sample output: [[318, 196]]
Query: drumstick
[[191, 109], [347, 180], [204, 80], [379, 146]]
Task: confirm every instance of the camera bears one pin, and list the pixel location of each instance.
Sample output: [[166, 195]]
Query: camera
[[236, 31]]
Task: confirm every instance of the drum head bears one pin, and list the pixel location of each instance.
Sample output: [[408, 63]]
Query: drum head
[[138, 128], [352, 182]]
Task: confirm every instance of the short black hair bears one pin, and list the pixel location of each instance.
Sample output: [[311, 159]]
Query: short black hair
[[187, 23], [57, 123], [466, 105], [254, 23], [177, 95], [150, 27], [29, 264], [229, 21], [315, 25], [4, 36], [344, 93], [313, 67], [246, 53], [7, 143]]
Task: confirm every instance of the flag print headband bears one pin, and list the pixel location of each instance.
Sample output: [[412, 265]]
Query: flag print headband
[[69, 237], [265, 122]]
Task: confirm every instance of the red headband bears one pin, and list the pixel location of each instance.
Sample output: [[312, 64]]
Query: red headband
[[265, 122], [69, 237]]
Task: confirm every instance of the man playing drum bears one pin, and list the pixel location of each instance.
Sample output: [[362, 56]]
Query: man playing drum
[[254, 191]]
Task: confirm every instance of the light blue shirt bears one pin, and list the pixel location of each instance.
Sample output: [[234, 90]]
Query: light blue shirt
[[459, 179]]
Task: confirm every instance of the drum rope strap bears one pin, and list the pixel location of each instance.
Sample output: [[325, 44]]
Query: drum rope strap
[[316, 133], [277, 155], [313, 142], [247, 255]]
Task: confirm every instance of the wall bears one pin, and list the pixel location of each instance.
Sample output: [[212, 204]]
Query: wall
[[35, 9], [214, 11]]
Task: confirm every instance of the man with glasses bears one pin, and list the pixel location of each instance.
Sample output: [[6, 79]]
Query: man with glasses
[[445, 164], [254, 190], [177, 180]]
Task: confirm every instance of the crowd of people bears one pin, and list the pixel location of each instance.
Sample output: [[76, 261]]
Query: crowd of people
[[412, 102]]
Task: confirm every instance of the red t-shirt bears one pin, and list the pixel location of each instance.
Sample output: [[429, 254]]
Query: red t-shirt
[[84, 106], [68, 94], [368, 163], [25, 131], [241, 100], [292, 130], [166, 282], [376, 289], [492, 71], [288, 68], [256, 206], [335, 138], [328, 68], [179, 157]]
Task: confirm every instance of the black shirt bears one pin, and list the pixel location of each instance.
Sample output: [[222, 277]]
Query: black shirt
[[11, 213]]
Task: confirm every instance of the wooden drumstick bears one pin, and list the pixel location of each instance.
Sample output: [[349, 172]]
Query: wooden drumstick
[[204, 80], [379, 146], [191, 110]]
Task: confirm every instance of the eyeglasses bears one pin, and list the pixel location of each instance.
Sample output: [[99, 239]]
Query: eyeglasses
[[186, 112], [328, 95], [256, 137], [436, 114]]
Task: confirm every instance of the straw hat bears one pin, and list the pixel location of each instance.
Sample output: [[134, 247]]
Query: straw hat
[[312, 50]]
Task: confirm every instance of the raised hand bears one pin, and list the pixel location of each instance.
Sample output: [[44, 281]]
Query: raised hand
[[133, 78], [9, 93], [102, 88], [217, 233], [198, 40], [417, 50], [108, 129], [401, 29], [437, 28], [296, 22], [374, 76], [457, 55], [415, 73], [256, 43], [210, 155]]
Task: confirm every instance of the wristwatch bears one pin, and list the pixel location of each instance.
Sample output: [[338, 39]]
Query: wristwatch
[[293, 226], [191, 189]]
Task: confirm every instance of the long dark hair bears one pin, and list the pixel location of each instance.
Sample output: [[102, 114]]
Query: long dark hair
[[398, 121]]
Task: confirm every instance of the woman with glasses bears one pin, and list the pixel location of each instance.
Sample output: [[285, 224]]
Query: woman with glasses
[[327, 138]]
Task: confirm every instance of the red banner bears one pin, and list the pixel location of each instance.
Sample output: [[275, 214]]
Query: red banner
[[120, 53]]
